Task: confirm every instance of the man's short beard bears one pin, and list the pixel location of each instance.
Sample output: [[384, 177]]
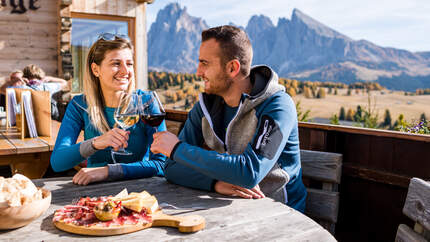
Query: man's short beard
[[219, 90]]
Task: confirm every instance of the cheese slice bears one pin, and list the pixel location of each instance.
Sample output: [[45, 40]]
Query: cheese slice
[[143, 194], [137, 204], [150, 204], [133, 195], [122, 194]]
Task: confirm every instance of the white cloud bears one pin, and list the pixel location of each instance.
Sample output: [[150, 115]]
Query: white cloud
[[395, 23]]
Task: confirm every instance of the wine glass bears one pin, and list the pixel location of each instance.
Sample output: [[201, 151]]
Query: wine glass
[[152, 111], [126, 115]]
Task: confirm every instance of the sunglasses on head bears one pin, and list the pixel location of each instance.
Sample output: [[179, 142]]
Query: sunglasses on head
[[110, 36]]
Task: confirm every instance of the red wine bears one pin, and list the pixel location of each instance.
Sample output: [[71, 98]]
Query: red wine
[[153, 120]]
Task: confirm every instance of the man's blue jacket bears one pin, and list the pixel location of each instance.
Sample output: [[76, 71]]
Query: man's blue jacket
[[260, 145]]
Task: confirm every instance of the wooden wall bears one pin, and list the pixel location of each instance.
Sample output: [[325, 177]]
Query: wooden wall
[[377, 168], [32, 37], [110, 7], [29, 38]]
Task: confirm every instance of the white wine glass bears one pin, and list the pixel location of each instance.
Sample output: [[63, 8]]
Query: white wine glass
[[152, 110], [126, 115]]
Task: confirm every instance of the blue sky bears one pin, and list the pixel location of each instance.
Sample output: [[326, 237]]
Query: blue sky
[[403, 24]]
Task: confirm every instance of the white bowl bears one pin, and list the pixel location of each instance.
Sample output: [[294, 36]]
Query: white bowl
[[15, 217]]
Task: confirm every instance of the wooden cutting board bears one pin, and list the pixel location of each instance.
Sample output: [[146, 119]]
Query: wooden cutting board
[[185, 224]]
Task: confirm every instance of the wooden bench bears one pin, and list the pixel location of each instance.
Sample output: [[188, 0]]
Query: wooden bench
[[321, 175], [417, 208]]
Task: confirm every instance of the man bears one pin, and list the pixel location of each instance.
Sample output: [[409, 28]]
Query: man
[[15, 80], [248, 122], [37, 80]]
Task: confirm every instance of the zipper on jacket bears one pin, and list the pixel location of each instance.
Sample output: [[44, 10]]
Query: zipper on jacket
[[229, 124], [208, 117]]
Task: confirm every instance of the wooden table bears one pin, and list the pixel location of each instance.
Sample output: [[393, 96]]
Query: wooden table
[[227, 218], [29, 156]]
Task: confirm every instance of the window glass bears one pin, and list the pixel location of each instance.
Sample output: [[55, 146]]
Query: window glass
[[84, 33]]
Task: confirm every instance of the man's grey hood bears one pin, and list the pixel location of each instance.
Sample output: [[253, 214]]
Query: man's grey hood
[[265, 84], [264, 81]]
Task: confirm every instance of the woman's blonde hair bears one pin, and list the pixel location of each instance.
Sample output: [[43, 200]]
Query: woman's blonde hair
[[92, 88]]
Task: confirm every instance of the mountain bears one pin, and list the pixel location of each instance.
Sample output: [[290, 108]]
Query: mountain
[[174, 40], [303, 48], [300, 48]]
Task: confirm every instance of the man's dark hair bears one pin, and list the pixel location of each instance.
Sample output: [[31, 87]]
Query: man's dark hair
[[234, 44]]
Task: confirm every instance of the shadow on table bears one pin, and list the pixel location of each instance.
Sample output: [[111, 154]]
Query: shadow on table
[[48, 226], [64, 191]]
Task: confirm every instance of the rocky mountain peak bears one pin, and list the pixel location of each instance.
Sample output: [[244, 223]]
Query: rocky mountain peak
[[300, 48], [300, 18], [174, 39]]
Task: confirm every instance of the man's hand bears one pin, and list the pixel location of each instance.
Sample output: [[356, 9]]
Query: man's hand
[[163, 143], [88, 175], [115, 138], [233, 190]]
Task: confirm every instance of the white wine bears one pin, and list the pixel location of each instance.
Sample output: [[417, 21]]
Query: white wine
[[125, 121]]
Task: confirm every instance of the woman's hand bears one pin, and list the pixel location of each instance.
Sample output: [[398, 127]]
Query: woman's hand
[[88, 175], [115, 138], [233, 190]]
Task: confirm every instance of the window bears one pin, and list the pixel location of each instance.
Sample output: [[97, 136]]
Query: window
[[85, 31]]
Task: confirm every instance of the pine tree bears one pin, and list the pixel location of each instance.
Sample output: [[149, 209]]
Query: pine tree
[[423, 117], [181, 86], [350, 115], [321, 93], [314, 90], [291, 91], [342, 113], [387, 119], [400, 123], [334, 120], [358, 114], [187, 104], [307, 92]]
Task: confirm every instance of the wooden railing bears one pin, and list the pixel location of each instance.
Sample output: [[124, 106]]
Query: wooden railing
[[377, 167]]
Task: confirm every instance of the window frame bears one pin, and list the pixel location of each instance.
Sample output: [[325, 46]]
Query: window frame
[[131, 29]]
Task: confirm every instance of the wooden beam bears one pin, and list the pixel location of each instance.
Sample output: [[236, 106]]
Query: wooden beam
[[374, 175], [144, 1], [366, 131], [176, 115]]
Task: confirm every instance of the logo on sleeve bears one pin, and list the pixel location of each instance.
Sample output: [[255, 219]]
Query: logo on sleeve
[[268, 138]]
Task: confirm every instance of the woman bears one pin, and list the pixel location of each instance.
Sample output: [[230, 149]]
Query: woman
[[109, 72]]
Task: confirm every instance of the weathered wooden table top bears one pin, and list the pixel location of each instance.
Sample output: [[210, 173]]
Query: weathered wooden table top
[[227, 218], [11, 142]]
